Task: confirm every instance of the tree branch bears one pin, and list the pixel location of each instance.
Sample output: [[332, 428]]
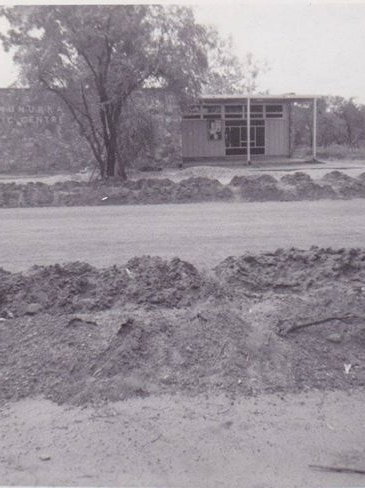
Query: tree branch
[[337, 469], [90, 120], [283, 331], [72, 108]]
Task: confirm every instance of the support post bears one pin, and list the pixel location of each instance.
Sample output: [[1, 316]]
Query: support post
[[314, 141], [291, 130], [248, 129]]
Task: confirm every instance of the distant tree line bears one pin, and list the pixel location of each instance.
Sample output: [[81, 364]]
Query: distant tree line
[[340, 121]]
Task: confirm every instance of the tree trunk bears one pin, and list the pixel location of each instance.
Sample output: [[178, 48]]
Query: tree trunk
[[121, 170], [111, 158], [110, 164]]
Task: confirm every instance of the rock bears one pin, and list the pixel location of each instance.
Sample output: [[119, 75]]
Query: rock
[[33, 309], [335, 337], [6, 314], [125, 327], [45, 457], [77, 322]]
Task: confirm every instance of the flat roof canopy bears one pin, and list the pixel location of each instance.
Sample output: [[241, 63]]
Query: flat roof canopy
[[291, 97]]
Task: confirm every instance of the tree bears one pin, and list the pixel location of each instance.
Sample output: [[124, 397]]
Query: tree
[[95, 57], [227, 73], [351, 117], [340, 121]]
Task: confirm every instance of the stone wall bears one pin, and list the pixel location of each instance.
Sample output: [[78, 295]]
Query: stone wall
[[165, 110], [37, 134]]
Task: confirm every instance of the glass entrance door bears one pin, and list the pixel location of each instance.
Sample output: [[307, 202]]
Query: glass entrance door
[[236, 137]]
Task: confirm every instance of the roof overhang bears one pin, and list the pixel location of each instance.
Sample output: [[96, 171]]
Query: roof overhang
[[290, 97]]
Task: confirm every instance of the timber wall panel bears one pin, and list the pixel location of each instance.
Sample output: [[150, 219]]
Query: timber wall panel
[[277, 137], [195, 141]]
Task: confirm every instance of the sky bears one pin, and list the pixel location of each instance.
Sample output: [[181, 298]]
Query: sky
[[309, 47]]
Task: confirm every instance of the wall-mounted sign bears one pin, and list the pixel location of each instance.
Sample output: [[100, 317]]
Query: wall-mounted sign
[[215, 129], [28, 114]]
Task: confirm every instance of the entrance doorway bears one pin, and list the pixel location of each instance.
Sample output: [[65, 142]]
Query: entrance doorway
[[236, 137]]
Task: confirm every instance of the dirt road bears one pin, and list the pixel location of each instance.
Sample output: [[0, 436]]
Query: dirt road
[[203, 234], [261, 442]]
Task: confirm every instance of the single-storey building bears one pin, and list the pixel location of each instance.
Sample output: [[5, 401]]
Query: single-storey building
[[220, 126], [36, 132]]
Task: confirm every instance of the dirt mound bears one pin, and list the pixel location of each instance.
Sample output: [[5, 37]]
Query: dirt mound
[[297, 178], [297, 186], [113, 192], [283, 321], [346, 186], [337, 177], [78, 287], [291, 187], [201, 187], [132, 353], [259, 188], [293, 269], [300, 186], [243, 180], [325, 332], [194, 189]]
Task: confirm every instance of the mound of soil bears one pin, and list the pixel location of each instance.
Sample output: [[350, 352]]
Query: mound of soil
[[297, 178], [260, 188], [200, 187], [283, 321], [337, 177], [300, 186], [79, 287], [346, 186], [297, 186], [293, 269]]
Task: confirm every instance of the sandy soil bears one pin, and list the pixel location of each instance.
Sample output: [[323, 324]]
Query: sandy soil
[[222, 173], [225, 174], [173, 441]]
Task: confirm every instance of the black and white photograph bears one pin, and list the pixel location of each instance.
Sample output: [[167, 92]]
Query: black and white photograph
[[182, 251]]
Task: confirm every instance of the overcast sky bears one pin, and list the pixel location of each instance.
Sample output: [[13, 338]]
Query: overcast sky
[[314, 49], [310, 48]]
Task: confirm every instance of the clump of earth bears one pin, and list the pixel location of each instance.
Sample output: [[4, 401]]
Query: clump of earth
[[291, 320], [297, 186]]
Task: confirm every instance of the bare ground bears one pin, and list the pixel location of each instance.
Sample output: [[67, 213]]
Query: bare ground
[[201, 233], [173, 441], [220, 389], [223, 172], [243, 375]]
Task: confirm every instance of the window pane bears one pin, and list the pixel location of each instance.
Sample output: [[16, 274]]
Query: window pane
[[233, 109], [211, 109], [274, 108], [194, 109], [260, 136], [257, 108]]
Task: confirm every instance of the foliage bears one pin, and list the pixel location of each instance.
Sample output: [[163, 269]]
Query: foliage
[[137, 134], [96, 57], [227, 73], [340, 122]]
